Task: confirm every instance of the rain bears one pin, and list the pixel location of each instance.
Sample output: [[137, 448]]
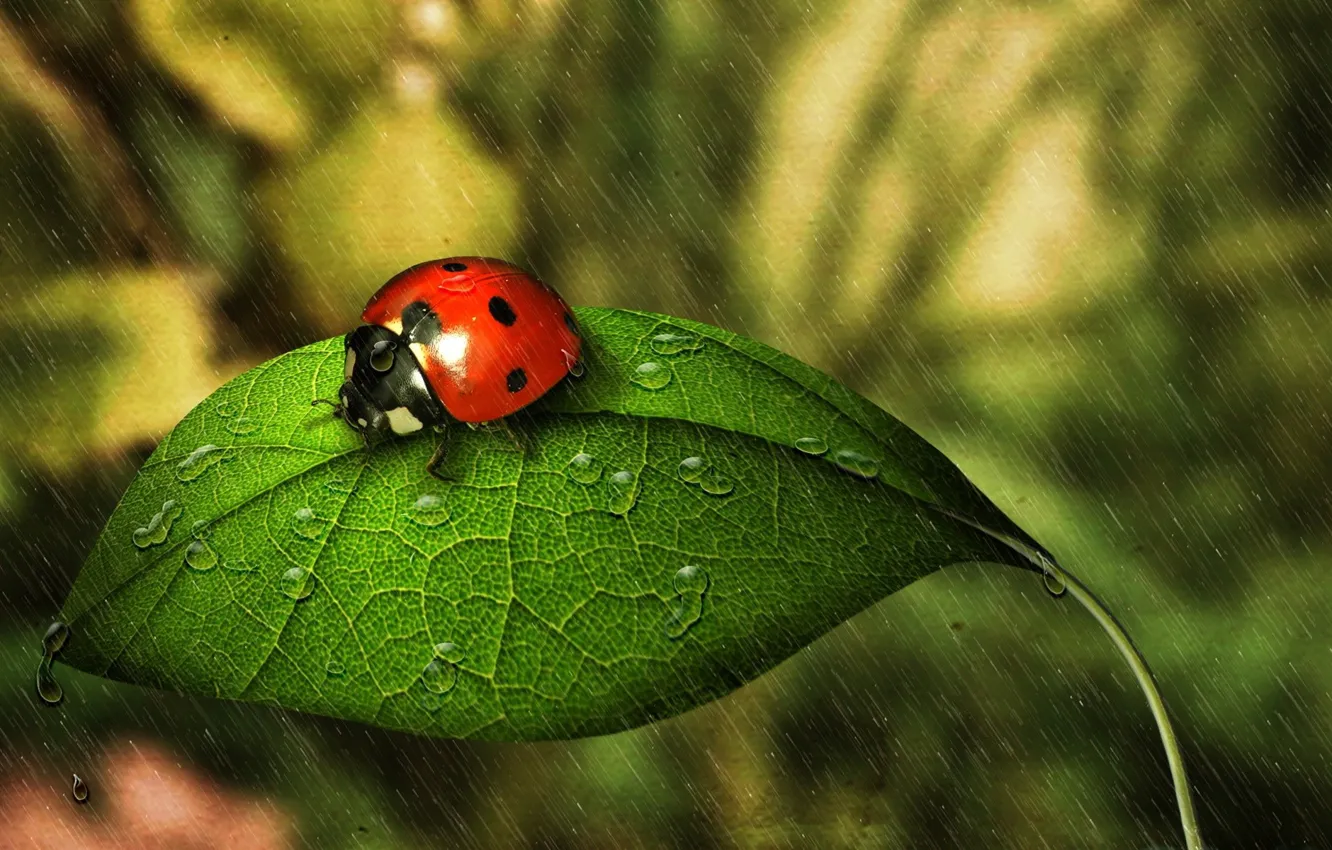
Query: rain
[[1079, 246]]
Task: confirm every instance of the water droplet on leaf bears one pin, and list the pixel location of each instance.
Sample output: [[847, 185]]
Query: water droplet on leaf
[[80, 790], [439, 676], [307, 525], [671, 343], [811, 445], [856, 463], [200, 557], [334, 668], [651, 375], [450, 652], [338, 485], [691, 583], [54, 639], [47, 687], [429, 510], [297, 583], [199, 461], [622, 492], [691, 469], [691, 579], [242, 425], [715, 483], [1054, 583], [159, 526], [584, 468]]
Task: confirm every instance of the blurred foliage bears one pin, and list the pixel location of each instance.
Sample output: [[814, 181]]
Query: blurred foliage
[[1078, 244]]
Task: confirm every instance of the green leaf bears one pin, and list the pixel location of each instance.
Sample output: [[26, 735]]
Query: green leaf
[[264, 554]]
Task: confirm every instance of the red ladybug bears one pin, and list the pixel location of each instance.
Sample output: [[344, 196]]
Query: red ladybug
[[463, 338]]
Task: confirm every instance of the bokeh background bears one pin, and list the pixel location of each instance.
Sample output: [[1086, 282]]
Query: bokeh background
[[1081, 245]]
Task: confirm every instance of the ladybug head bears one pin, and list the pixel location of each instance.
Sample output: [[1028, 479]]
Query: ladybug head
[[384, 390]]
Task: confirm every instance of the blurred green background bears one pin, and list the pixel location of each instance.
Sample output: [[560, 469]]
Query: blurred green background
[[1080, 245]]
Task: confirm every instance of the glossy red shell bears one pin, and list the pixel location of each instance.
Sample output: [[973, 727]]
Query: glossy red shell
[[470, 362]]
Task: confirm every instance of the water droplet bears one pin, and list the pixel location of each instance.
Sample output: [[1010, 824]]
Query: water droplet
[[584, 468], [199, 525], [715, 483], [690, 583], [457, 283], [622, 492], [691, 579], [199, 461], [47, 687], [651, 375], [573, 364], [691, 469], [856, 463], [307, 525], [338, 485], [80, 790], [439, 676], [54, 639], [382, 355], [450, 652], [159, 526], [200, 557], [811, 445], [1054, 582], [243, 425], [429, 510], [671, 343], [297, 583], [228, 409], [334, 668]]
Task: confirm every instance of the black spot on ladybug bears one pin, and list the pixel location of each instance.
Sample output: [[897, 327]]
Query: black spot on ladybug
[[420, 323], [501, 312], [516, 380], [571, 324], [455, 267]]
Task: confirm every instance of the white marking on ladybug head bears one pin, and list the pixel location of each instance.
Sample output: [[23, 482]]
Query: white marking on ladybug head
[[401, 421], [351, 364], [362, 422]]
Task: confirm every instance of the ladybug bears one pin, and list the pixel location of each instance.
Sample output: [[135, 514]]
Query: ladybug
[[468, 339]]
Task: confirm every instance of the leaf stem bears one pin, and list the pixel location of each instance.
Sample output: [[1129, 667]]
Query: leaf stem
[[1137, 663], [1183, 796]]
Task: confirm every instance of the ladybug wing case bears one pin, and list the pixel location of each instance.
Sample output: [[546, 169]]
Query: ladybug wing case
[[498, 348], [489, 337]]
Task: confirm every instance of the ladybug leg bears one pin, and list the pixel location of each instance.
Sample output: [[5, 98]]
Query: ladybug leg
[[441, 451], [336, 405], [432, 465]]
